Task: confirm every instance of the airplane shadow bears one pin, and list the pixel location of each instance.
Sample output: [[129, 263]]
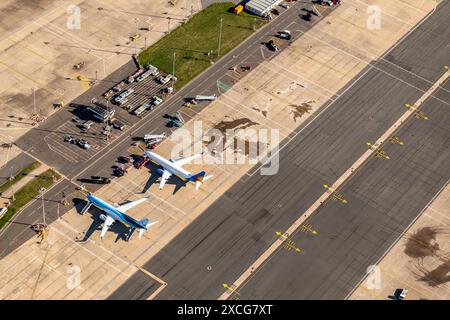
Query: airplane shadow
[[154, 178], [118, 228]]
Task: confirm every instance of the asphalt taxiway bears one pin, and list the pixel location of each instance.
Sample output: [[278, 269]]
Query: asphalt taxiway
[[384, 196]]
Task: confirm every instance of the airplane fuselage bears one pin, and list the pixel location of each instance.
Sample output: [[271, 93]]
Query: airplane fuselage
[[169, 165], [111, 211]]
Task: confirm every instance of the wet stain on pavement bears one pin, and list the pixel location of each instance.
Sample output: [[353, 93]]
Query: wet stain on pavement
[[422, 243], [437, 276], [299, 110]]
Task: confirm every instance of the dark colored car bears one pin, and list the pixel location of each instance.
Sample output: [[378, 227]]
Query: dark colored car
[[69, 139], [118, 125], [100, 180], [119, 172], [139, 164], [124, 159], [272, 46]]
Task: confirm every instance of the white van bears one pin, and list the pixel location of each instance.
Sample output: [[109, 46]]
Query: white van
[[167, 78], [205, 98], [138, 111], [151, 70], [87, 125], [120, 99]]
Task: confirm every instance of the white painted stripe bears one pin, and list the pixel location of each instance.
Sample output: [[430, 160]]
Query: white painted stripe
[[338, 183]]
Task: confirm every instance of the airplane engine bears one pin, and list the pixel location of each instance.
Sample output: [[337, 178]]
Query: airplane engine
[[86, 208], [102, 217], [159, 171]]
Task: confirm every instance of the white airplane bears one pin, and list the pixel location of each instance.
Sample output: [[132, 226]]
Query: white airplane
[[117, 213], [174, 167]]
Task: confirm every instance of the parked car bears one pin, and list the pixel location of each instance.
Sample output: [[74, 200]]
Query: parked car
[[139, 110], [124, 159], [129, 80], [307, 16], [69, 139], [285, 34], [118, 125], [167, 90], [150, 71], [100, 180], [140, 163], [272, 45], [121, 170], [83, 143], [87, 125], [121, 98], [127, 107], [275, 11], [118, 172], [156, 100]]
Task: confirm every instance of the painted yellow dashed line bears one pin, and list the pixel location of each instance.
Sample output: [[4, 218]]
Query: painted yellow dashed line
[[339, 182]]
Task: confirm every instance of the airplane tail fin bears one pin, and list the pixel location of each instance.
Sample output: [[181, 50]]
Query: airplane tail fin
[[199, 181], [145, 226], [199, 176]]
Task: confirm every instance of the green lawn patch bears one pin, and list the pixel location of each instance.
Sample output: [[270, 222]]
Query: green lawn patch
[[29, 192], [23, 173], [193, 41]]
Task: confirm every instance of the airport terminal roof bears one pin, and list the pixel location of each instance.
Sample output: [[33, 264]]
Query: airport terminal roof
[[101, 109], [261, 7]]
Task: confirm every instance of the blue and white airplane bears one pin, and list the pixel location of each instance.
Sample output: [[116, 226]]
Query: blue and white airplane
[[116, 213], [174, 167]]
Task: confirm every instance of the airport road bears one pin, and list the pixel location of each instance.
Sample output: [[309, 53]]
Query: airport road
[[14, 166], [384, 196], [250, 52], [18, 230], [206, 83]]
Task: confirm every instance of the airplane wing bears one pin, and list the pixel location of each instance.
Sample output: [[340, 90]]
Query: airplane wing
[[182, 161], [164, 177], [129, 205], [108, 222]]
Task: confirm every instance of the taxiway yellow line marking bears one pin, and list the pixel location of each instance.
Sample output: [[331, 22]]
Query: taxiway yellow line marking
[[18, 43], [279, 242], [46, 88], [226, 286]]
